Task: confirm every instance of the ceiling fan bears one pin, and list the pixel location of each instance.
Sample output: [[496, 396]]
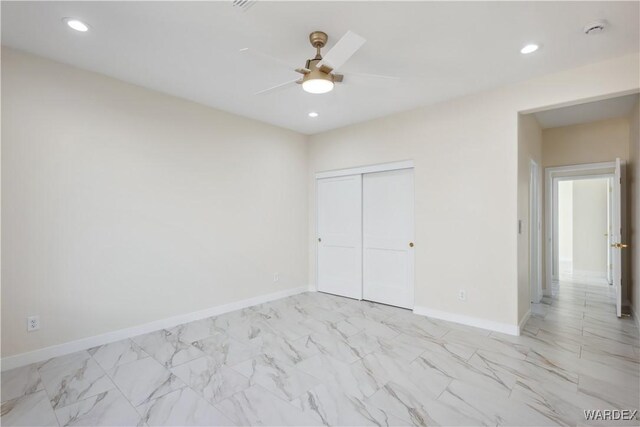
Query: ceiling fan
[[319, 73]]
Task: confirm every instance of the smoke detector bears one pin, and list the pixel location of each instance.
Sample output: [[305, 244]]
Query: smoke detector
[[595, 27]]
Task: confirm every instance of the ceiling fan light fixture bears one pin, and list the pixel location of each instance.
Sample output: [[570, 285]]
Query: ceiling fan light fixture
[[76, 24], [317, 85], [530, 48]]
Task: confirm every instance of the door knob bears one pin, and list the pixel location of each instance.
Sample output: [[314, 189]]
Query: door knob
[[619, 245], [319, 239], [410, 244]]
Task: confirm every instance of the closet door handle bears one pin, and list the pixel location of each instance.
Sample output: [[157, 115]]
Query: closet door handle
[[410, 244]]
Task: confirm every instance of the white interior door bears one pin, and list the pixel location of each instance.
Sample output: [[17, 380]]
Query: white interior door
[[388, 253], [616, 225], [340, 235]]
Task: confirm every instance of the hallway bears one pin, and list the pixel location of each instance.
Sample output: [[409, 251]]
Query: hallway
[[603, 351]]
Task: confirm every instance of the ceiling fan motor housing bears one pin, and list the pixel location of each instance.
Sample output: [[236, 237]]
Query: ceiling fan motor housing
[[318, 39]]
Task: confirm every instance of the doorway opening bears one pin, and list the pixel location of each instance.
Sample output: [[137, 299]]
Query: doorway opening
[[584, 229]]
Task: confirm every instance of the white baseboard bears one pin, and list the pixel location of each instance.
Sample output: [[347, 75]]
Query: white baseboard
[[523, 321], [477, 322], [46, 353]]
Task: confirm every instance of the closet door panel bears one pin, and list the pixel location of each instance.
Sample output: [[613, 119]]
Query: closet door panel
[[339, 235], [388, 252]]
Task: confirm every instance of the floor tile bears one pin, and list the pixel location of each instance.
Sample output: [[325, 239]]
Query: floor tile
[[109, 408], [29, 410], [75, 380], [281, 378], [144, 380], [226, 350], [211, 380], [20, 381], [256, 406], [182, 407], [331, 407], [167, 348], [115, 354]]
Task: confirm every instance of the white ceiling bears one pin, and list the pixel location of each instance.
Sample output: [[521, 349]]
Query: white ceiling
[[440, 50], [588, 112]]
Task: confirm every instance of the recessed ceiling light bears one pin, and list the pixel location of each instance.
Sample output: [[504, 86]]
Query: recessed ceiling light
[[313, 114], [530, 48], [76, 24]]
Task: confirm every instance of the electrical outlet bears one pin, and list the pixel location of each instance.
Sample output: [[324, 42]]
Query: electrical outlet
[[33, 323], [276, 277], [462, 295]]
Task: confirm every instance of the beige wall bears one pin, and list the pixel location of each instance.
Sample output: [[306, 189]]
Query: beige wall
[[465, 153], [590, 246], [122, 206], [529, 148], [600, 141], [634, 174]]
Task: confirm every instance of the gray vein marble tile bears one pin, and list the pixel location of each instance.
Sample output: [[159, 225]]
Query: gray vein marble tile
[[245, 330], [626, 395], [277, 347], [372, 327], [328, 345], [401, 347], [340, 328], [182, 407], [167, 348], [78, 379], [353, 379], [472, 371], [144, 380], [418, 410], [108, 408], [490, 409], [256, 406], [384, 368], [416, 326], [212, 380], [226, 350], [331, 407], [280, 378], [194, 331], [56, 362], [20, 381], [29, 410], [563, 406], [490, 343], [116, 353]]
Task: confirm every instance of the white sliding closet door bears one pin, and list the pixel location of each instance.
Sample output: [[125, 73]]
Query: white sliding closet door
[[340, 235], [388, 256]]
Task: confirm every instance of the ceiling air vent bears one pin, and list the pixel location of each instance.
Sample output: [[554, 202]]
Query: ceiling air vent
[[244, 4]]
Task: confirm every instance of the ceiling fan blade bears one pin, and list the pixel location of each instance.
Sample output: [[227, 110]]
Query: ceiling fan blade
[[265, 57], [343, 50], [276, 87], [371, 79]]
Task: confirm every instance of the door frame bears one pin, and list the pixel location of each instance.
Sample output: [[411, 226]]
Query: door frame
[[553, 175], [357, 170], [535, 233]]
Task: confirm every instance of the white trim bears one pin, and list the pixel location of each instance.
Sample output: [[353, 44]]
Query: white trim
[[524, 321], [46, 353], [535, 231], [505, 328], [551, 177], [383, 167]]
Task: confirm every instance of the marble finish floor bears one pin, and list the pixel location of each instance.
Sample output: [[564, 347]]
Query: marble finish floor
[[317, 359]]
